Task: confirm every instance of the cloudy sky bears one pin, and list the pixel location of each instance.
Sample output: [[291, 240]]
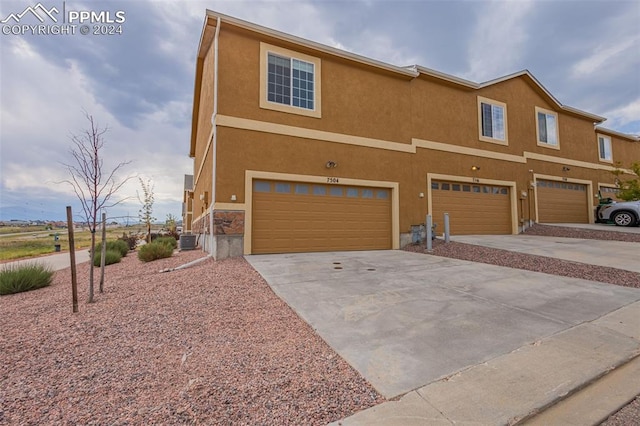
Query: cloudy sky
[[139, 83]]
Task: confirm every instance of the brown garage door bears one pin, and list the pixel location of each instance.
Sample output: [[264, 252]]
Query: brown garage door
[[562, 202], [473, 209], [610, 192], [305, 217]]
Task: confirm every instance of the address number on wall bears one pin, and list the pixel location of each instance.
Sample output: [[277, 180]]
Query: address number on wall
[[333, 180]]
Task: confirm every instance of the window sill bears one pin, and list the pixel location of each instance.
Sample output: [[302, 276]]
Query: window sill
[[315, 113], [494, 141], [546, 145]]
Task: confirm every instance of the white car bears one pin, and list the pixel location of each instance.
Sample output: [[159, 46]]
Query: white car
[[625, 213]]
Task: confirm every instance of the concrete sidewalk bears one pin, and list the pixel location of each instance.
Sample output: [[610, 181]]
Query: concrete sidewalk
[[54, 261], [518, 385]]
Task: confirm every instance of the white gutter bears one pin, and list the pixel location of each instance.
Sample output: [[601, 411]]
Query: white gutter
[[634, 138], [215, 134]]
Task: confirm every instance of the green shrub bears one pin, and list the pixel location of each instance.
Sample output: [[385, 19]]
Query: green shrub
[[130, 240], [155, 250], [168, 240], [16, 279], [110, 257], [118, 245]]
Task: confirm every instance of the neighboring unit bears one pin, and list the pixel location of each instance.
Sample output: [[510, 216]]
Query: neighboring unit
[[187, 204], [298, 147]]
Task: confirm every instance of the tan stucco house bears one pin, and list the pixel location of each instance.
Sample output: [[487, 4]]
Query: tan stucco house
[[298, 146]]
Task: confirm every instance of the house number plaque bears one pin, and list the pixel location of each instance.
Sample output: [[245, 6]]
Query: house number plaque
[[333, 180]]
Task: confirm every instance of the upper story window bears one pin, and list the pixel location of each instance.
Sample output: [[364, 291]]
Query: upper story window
[[492, 121], [604, 148], [547, 128], [289, 81]]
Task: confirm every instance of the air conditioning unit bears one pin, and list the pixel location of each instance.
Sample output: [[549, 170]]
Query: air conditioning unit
[[187, 242]]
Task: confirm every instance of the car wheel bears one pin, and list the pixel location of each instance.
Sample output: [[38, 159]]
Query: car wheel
[[624, 219]]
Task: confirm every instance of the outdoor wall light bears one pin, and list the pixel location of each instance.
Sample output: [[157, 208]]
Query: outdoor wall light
[[331, 165], [475, 168]]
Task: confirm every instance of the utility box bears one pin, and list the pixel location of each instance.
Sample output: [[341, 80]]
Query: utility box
[[416, 233], [187, 242]]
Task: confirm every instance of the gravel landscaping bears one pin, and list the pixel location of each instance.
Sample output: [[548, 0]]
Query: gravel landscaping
[[209, 344], [628, 416]]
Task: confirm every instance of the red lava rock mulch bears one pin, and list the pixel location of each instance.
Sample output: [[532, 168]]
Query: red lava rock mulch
[[209, 344]]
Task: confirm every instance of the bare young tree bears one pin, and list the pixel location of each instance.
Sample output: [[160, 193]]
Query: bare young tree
[[93, 187], [147, 199], [171, 223]]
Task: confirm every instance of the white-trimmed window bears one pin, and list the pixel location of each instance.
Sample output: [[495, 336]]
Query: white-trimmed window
[[547, 128], [604, 149], [289, 81], [492, 121]]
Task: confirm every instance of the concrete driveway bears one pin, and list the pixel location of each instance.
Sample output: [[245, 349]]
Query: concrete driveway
[[407, 320], [599, 227], [614, 254]]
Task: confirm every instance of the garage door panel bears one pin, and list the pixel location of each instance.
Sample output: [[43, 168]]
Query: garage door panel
[[610, 192], [561, 202], [473, 209], [322, 219]]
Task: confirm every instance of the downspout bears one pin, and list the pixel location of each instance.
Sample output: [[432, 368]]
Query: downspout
[[215, 135]]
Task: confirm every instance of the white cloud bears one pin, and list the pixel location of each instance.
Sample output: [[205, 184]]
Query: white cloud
[[42, 106], [377, 45], [498, 39], [625, 118], [604, 58], [181, 23], [15, 177]]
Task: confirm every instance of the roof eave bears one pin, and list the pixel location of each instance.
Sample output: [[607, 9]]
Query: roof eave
[[203, 46], [525, 73], [596, 118], [447, 77], [310, 44], [633, 138]]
